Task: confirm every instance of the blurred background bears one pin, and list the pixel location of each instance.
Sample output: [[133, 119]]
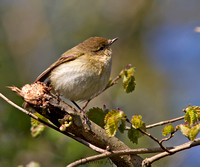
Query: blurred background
[[156, 37]]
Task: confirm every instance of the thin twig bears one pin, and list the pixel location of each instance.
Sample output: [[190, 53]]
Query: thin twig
[[116, 153], [52, 126], [149, 135], [164, 122], [169, 137], [148, 161], [114, 81], [155, 139]]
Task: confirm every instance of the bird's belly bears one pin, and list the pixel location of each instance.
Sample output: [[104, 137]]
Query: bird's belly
[[77, 82]]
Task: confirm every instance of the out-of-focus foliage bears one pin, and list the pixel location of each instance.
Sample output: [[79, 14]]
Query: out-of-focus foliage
[[155, 36], [36, 127]]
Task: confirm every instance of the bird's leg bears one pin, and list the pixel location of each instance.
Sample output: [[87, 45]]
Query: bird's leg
[[82, 110], [76, 105], [85, 104], [58, 96]]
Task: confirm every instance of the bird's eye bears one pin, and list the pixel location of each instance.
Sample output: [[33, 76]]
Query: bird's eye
[[101, 48]]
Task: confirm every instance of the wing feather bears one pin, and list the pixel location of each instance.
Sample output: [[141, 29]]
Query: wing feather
[[61, 60]]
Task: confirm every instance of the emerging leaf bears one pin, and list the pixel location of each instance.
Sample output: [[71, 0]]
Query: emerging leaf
[[185, 129], [36, 127], [109, 82], [191, 115], [133, 135], [37, 130], [190, 132], [128, 79], [111, 121], [168, 129], [197, 109], [194, 131], [137, 122], [97, 115]]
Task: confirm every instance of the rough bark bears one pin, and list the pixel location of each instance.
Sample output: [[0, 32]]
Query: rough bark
[[57, 111]]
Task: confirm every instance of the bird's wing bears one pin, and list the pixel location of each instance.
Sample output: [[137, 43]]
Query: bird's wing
[[61, 60]]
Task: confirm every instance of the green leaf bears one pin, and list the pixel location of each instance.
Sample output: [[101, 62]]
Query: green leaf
[[190, 132], [111, 121], [197, 109], [109, 82], [191, 115], [184, 129], [137, 122], [128, 79], [194, 131], [168, 129], [97, 115], [122, 126], [133, 135], [37, 130], [37, 127]]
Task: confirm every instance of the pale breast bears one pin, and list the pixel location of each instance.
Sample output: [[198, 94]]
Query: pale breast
[[80, 80]]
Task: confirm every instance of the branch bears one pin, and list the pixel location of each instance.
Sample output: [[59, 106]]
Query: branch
[[148, 161], [115, 153], [114, 81], [164, 122], [152, 137], [52, 126], [155, 139], [39, 99]]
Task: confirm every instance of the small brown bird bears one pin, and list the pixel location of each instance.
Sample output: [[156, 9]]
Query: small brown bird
[[83, 71]]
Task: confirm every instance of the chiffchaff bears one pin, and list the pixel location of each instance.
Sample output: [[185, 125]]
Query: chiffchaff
[[83, 71]]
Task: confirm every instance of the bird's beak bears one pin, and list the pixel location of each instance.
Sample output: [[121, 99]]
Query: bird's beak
[[111, 41]]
